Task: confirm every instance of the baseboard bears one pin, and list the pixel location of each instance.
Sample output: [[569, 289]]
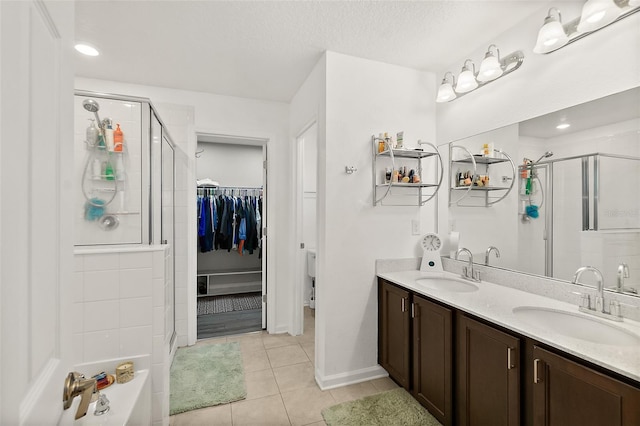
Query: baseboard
[[350, 377]]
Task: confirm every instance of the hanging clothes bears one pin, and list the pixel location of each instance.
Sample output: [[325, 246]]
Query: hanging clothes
[[229, 222]]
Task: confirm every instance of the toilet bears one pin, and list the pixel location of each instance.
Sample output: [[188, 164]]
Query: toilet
[[311, 271]]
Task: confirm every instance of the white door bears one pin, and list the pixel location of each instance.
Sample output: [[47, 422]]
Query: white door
[[36, 235]]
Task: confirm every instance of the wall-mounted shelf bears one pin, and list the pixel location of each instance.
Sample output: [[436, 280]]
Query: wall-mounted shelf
[[388, 192], [475, 193]]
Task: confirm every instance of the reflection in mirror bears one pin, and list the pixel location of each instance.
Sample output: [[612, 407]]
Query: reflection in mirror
[[575, 200]]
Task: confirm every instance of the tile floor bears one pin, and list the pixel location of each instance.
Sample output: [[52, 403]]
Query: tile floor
[[281, 389]]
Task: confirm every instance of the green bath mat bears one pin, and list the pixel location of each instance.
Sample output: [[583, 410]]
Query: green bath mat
[[393, 408], [203, 376]]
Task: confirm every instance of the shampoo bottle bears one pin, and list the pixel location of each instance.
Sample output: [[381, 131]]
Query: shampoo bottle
[[109, 136], [118, 139]]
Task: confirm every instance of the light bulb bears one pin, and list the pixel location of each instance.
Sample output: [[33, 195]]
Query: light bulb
[[85, 49], [445, 92], [597, 13], [552, 34], [466, 80], [490, 68]]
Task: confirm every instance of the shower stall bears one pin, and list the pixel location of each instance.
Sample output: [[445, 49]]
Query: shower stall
[[124, 233], [589, 214]]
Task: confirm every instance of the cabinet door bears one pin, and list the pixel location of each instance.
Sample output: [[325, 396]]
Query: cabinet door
[[566, 393], [393, 329], [488, 375], [432, 358]]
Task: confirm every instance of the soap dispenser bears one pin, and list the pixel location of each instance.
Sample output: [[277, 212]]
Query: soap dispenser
[[118, 139]]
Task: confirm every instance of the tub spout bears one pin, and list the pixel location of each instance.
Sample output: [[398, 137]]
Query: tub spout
[[76, 384]]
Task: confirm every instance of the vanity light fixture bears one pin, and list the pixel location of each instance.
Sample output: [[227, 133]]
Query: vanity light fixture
[[596, 14], [446, 92], [491, 68]]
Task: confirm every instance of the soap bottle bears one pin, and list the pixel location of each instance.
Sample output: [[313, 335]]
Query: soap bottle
[[108, 171], [485, 150], [92, 134], [118, 139], [381, 145]]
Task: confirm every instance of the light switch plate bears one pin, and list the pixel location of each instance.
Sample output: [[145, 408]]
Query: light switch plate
[[415, 227]]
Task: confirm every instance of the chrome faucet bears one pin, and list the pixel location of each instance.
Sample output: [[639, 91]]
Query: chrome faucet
[[76, 384], [467, 271], [599, 308], [489, 250], [623, 272]]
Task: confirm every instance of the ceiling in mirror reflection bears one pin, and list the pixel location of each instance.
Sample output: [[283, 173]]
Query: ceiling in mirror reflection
[[597, 113]]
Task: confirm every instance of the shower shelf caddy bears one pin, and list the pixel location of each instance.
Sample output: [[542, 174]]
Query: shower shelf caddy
[[488, 195], [404, 194]]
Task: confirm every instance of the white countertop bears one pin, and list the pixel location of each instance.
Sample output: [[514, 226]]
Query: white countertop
[[495, 303]]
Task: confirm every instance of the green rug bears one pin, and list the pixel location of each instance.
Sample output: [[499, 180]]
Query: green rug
[[202, 376], [395, 407]]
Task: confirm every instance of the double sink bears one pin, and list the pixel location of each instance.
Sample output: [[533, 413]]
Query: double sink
[[569, 324]]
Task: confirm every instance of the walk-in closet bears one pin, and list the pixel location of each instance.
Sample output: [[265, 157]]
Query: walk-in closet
[[231, 254]]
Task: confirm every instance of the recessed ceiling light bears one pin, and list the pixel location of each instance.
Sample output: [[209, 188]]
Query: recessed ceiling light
[[563, 126], [85, 49]]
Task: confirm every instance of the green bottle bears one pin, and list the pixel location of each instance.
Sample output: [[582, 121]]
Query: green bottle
[[108, 171]]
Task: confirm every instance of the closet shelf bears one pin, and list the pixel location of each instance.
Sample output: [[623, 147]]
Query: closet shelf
[[228, 272]]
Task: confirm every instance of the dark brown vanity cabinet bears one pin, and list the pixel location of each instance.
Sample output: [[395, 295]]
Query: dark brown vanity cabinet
[[488, 375], [432, 358], [568, 393], [415, 347], [467, 371], [394, 332]]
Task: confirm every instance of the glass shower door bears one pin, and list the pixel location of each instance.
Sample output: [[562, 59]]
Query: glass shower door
[[168, 234]]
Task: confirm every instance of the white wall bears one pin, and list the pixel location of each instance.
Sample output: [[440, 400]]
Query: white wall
[[227, 115], [363, 98], [230, 165]]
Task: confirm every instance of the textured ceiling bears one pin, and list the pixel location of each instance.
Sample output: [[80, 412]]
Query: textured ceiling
[[266, 49]]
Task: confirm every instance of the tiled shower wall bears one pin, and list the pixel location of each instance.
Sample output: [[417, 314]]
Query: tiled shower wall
[[120, 303]]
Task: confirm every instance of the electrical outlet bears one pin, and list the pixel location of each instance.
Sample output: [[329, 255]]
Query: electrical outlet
[[415, 227]]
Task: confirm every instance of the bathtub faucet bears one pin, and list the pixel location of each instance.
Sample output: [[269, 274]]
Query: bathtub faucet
[[76, 384]]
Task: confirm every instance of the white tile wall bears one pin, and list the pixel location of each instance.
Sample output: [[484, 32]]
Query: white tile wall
[[136, 282], [121, 297]]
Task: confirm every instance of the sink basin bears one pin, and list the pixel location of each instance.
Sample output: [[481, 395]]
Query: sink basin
[[576, 326], [447, 284]]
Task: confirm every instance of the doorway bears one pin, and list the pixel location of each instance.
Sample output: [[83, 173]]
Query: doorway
[[306, 223], [231, 255]]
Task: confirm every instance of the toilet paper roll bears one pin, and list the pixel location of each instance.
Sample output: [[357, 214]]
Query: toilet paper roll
[[454, 240]]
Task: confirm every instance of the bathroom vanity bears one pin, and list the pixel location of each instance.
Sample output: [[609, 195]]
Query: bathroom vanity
[[482, 353]]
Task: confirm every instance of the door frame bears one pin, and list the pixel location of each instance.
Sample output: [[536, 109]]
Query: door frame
[[300, 269], [268, 312]]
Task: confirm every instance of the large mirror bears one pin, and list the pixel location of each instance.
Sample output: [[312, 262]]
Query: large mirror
[[574, 200]]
